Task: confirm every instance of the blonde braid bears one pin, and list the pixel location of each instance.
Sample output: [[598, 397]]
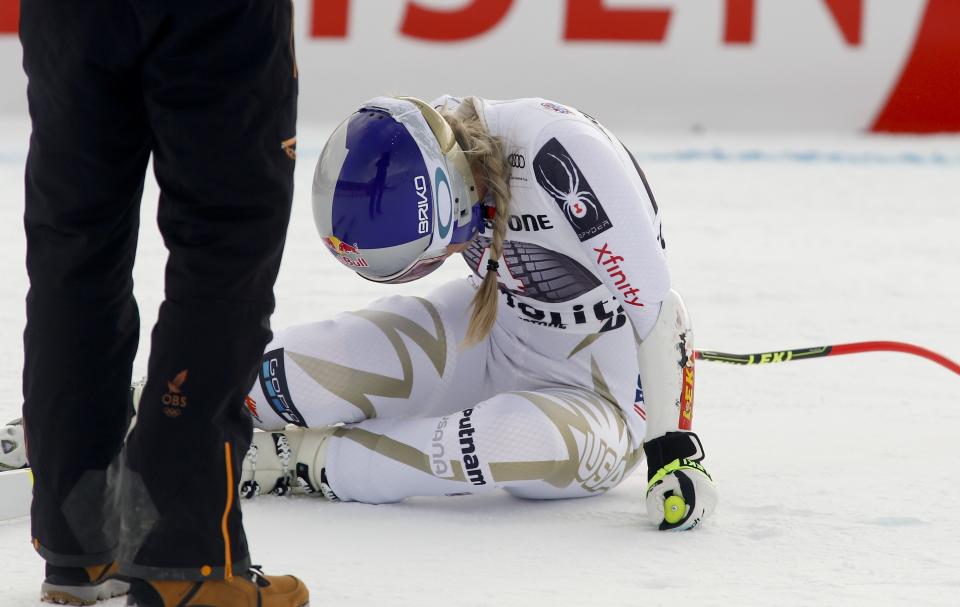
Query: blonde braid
[[487, 155]]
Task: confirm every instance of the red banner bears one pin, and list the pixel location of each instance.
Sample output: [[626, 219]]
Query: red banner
[[9, 16], [927, 97], [915, 90]]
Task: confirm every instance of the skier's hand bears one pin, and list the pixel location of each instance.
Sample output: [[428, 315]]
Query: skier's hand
[[680, 492]]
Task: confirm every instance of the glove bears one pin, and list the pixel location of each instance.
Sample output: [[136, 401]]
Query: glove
[[680, 491], [13, 447]]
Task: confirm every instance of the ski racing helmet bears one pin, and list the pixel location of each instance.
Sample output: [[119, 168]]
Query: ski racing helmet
[[393, 189]]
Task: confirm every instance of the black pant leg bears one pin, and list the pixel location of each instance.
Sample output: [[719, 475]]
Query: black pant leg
[[84, 177], [221, 95]]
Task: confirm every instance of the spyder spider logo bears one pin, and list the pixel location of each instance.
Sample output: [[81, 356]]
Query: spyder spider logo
[[562, 179], [574, 201]]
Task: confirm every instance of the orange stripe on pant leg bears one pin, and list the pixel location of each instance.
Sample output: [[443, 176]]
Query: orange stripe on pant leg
[[227, 557]]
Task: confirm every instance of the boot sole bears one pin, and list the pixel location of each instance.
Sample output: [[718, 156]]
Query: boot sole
[[132, 602], [82, 595]]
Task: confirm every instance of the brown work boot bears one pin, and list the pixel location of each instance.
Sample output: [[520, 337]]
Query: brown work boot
[[81, 585], [250, 590]]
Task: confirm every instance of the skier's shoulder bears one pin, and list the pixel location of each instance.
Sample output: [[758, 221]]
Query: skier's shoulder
[[530, 121]]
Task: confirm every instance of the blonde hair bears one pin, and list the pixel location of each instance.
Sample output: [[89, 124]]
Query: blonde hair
[[487, 156]]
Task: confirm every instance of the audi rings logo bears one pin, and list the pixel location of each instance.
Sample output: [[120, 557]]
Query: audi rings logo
[[517, 161]]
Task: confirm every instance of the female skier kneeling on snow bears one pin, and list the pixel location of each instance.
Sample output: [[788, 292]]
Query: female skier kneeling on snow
[[549, 372]]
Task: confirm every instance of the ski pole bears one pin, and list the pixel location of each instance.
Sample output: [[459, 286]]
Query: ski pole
[[819, 351]]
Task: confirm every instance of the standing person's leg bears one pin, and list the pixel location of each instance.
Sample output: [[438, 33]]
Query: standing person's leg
[[220, 90], [84, 178]]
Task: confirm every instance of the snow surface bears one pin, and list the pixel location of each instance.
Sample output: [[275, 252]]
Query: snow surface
[[839, 478]]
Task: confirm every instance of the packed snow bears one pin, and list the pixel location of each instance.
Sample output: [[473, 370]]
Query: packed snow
[[839, 478]]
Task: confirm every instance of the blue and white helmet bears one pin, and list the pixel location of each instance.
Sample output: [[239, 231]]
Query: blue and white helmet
[[393, 189]]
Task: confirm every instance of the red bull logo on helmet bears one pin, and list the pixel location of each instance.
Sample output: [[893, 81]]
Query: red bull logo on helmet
[[348, 254]]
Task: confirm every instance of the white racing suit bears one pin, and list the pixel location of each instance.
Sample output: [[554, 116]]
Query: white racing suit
[[550, 405]]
